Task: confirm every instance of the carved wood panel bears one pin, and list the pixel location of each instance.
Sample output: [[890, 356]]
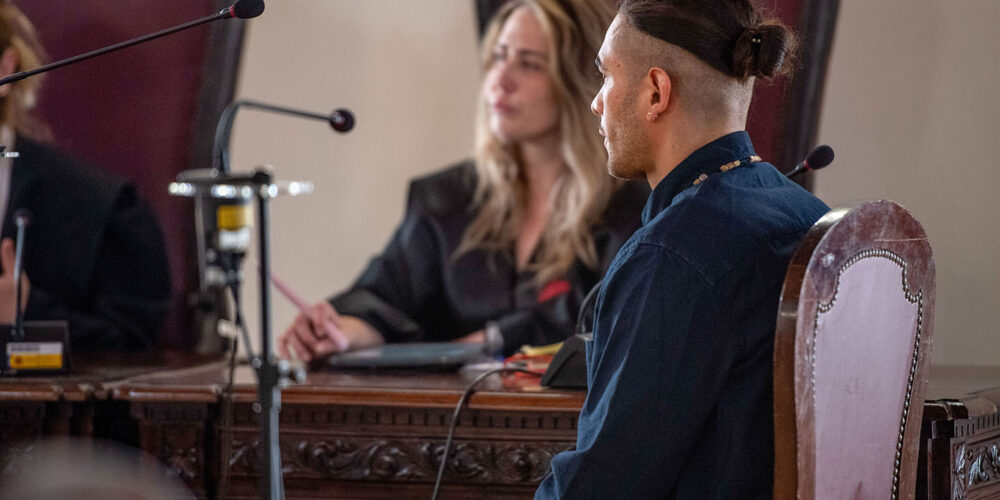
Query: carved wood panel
[[375, 458], [24, 425], [341, 451], [962, 451], [334, 448], [21, 426], [176, 434], [976, 469], [409, 421]]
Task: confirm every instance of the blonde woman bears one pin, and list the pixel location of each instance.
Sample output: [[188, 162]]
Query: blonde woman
[[502, 249]]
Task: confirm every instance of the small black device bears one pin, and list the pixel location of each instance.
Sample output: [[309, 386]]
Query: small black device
[[568, 369], [39, 347]]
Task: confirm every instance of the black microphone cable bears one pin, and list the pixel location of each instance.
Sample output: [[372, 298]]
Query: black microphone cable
[[458, 411], [590, 297], [227, 394], [225, 429], [587, 299], [22, 217]]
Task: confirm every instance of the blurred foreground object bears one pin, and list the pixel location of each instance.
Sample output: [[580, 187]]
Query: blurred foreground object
[[89, 469]]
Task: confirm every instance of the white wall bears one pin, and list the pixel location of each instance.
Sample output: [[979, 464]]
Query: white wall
[[912, 108], [408, 70]]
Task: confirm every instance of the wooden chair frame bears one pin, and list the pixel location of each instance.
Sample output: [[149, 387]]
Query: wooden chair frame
[[842, 238]]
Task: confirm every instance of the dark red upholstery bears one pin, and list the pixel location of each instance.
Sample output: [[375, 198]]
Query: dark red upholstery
[[140, 112], [784, 114]]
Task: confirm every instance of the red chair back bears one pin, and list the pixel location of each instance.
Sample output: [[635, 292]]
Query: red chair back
[[146, 112]]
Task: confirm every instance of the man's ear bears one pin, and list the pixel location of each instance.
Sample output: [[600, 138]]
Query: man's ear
[[658, 82], [9, 61]]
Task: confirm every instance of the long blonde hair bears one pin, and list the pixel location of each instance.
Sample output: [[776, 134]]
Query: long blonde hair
[[575, 29], [17, 32]]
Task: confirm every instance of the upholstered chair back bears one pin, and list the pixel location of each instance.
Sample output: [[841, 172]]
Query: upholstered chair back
[[851, 356]]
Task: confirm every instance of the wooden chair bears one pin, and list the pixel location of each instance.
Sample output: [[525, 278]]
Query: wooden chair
[[851, 356]]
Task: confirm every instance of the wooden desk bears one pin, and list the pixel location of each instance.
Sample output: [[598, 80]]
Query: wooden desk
[[960, 446], [351, 435], [33, 409], [363, 435]]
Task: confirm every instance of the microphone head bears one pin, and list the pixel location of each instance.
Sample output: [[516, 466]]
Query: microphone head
[[22, 217], [246, 9], [342, 120], [819, 157]]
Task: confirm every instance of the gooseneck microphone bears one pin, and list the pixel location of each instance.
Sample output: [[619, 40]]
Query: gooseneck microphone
[[22, 217], [818, 158], [242, 9], [219, 249], [341, 120]]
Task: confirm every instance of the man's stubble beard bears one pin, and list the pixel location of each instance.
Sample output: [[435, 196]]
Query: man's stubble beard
[[630, 158]]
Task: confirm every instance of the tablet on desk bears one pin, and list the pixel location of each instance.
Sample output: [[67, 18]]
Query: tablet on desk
[[427, 355]]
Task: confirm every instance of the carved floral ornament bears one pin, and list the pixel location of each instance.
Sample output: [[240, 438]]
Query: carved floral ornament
[[405, 460], [183, 461], [974, 466]]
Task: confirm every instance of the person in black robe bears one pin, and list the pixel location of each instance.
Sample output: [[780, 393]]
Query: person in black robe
[[499, 250], [94, 254]]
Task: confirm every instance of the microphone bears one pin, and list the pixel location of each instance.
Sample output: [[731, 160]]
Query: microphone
[[340, 119], [220, 245], [818, 158], [22, 217], [38, 347], [246, 9], [242, 9]]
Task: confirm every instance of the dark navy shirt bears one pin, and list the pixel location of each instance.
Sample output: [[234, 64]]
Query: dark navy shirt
[[680, 398]]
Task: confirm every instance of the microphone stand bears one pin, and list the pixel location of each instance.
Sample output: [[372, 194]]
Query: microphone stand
[[272, 373], [270, 376], [226, 13], [18, 334]]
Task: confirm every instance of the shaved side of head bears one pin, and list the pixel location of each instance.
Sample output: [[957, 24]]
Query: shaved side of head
[[701, 90]]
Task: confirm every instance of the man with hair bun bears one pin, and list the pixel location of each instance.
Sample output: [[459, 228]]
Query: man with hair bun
[[680, 367]]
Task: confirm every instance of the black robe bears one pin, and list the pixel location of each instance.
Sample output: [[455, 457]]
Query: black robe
[[418, 289], [94, 251]]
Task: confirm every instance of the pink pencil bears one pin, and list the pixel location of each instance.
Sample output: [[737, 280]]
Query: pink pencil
[[331, 330]]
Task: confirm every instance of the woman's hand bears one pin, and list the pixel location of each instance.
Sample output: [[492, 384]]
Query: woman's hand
[[320, 332], [478, 337]]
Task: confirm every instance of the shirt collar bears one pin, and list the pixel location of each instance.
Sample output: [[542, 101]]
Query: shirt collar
[[705, 160]]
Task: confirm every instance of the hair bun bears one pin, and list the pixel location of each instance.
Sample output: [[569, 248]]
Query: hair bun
[[761, 50]]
